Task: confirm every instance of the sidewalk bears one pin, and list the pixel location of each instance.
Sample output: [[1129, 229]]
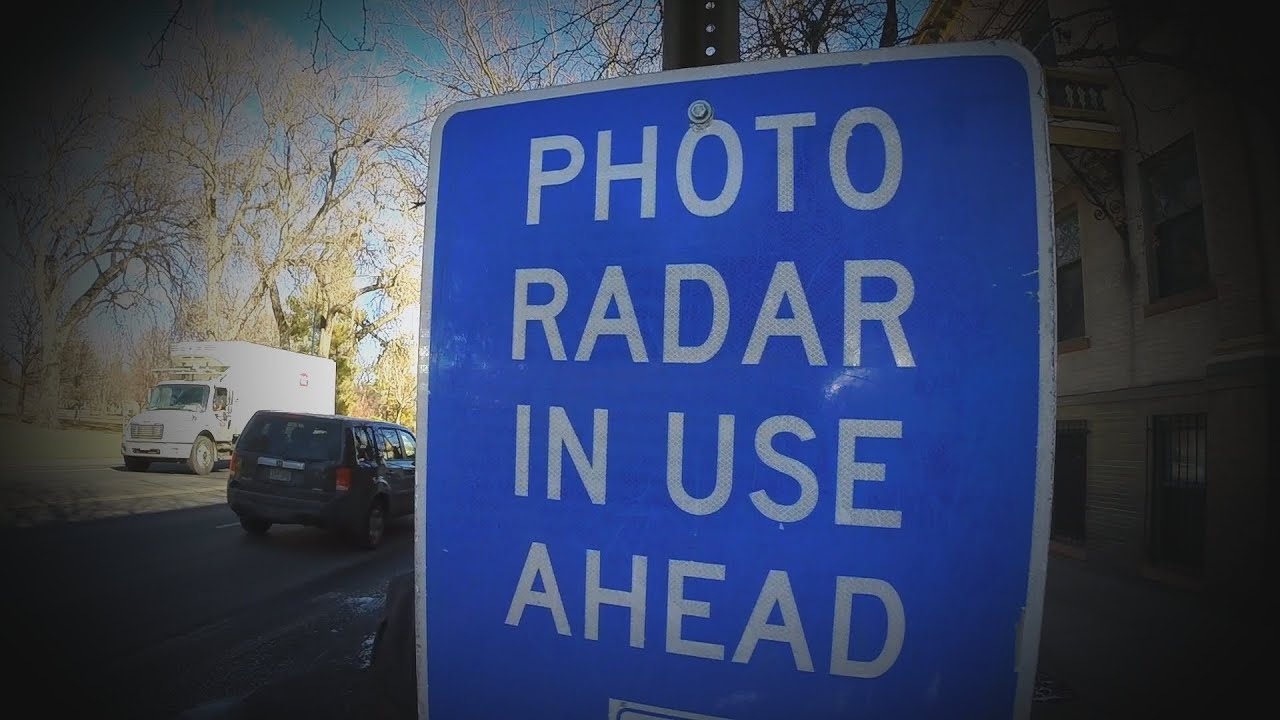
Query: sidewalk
[[23, 443], [1118, 646], [15, 465]]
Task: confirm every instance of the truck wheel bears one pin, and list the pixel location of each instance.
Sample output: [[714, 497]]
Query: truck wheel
[[203, 456], [369, 531], [135, 464]]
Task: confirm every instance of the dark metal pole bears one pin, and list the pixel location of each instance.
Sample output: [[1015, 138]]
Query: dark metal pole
[[696, 33]]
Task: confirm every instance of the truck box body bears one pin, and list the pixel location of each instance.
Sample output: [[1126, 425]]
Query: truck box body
[[212, 389]]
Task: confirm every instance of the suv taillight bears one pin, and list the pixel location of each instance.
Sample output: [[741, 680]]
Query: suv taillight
[[343, 481], [235, 464]]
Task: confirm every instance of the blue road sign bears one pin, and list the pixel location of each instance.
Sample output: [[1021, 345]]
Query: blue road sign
[[737, 393]]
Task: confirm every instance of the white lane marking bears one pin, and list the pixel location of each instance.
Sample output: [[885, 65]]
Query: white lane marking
[[227, 525]]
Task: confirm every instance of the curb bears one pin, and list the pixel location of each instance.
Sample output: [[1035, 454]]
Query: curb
[[62, 464]]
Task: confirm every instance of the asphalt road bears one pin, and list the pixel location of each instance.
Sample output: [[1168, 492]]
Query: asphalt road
[[137, 595], [151, 614]]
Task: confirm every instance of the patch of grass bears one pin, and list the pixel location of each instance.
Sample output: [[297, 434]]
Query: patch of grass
[[24, 443]]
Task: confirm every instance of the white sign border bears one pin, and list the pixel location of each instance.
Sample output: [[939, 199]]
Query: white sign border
[[1029, 626]]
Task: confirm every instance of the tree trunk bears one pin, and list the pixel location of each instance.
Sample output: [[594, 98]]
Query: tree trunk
[[51, 336], [889, 33], [277, 310], [24, 382], [213, 312], [325, 346], [215, 316]]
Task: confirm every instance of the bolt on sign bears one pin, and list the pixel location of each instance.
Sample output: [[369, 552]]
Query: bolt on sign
[[736, 393]]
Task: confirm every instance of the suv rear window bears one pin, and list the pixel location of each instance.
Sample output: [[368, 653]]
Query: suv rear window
[[293, 438]]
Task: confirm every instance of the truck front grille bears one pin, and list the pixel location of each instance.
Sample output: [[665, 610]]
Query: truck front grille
[[146, 432]]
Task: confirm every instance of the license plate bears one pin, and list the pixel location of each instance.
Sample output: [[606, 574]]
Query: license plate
[[278, 475]]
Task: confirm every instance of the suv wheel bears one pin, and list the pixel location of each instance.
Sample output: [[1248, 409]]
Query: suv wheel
[[371, 528], [203, 456], [254, 526]]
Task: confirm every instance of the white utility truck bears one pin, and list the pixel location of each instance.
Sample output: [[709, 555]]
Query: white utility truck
[[201, 402]]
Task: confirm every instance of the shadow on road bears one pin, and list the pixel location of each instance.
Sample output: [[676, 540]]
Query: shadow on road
[[309, 541], [170, 468], [61, 506]]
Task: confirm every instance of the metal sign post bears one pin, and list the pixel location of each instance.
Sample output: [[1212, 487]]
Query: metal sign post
[[737, 393], [699, 33]]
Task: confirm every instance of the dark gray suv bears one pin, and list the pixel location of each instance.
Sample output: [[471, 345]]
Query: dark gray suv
[[330, 471]]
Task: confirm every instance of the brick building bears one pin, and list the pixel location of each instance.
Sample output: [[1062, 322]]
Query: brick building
[[1165, 185]]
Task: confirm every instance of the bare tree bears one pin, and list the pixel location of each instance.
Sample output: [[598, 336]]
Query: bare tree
[[479, 48], [22, 343], [332, 176], [369, 285], [626, 36], [394, 381], [83, 376], [782, 28], [146, 352], [197, 122], [292, 167], [92, 232]]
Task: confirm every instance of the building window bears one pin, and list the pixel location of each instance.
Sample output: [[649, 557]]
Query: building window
[[1070, 465], [1177, 260], [1070, 275], [1178, 468]]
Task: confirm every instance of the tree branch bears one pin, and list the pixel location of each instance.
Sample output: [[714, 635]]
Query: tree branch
[[157, 47], [363, 44]]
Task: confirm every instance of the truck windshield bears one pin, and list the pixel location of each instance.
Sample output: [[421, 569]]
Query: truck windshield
[[178, 397], [292, 437]]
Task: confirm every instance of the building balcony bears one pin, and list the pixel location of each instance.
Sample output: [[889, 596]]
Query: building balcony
[[1076, 94], [1081, 107]]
